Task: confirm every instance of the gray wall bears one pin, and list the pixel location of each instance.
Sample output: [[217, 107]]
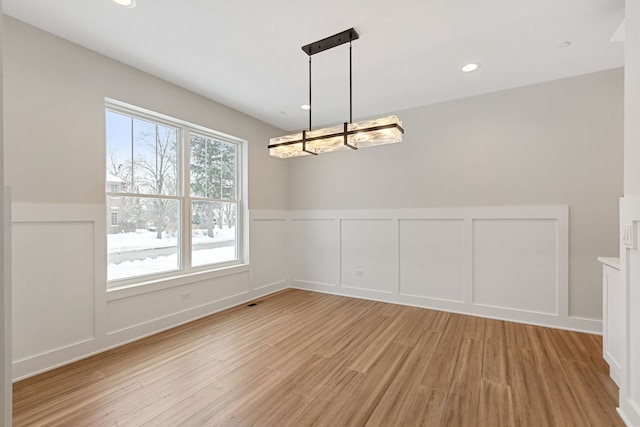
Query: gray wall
[[632, 101], [559, 142], [54, 115]]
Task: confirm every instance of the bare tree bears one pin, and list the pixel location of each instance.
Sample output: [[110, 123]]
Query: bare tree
[[157, 173]]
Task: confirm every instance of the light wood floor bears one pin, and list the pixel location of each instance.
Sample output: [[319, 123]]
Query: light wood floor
[[301, 358]]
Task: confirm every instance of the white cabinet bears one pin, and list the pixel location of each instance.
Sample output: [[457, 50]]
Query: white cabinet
[[613, 333]]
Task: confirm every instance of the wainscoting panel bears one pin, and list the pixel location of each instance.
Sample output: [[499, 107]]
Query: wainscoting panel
[[142, 311], [316, 251], [367, 254], [515, 264], [432, 258], [53, 285], [507, 263], [269, 249], [62, 310], [502, 262]]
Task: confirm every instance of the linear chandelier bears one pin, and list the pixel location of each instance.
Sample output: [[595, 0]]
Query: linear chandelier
[[349, 135]]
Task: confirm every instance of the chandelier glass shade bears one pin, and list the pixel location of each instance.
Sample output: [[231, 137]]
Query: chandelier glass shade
[[349, 135], [368, 133]]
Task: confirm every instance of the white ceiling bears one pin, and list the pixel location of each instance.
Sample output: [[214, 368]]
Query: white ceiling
[[247, 53]]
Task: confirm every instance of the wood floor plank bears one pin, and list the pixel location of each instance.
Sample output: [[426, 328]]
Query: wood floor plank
[[355, 335], [190, 405], [287, 328], [495, 364], [89, 410], [318, 334], [285, 411], [578, 346], [67, 401], [425, 409], [383, 309], [398, 405], [439, 372], [598, 405], [213, 407], [531, 404], [564, 408], [436, 320], [331, 398], [496, 405], [473, 327], [384, 337], [355, 409], [413, 321], [319, 378], [250, 413], [301, 358], [463, 398], [516, 335]]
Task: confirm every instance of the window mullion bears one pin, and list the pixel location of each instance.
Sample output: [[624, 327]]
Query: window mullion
[[186, 192]]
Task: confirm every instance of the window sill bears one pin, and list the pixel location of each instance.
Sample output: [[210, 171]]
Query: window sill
[[155, 285]]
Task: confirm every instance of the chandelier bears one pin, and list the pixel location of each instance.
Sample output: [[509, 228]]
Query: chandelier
[[349, 135]]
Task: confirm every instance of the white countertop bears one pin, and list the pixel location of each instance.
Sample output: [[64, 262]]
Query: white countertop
[[610, 261]]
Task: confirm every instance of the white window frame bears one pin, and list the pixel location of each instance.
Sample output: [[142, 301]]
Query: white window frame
[[185, 269]]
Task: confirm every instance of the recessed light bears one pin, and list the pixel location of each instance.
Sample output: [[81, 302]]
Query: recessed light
[[306, 107], [125, 3], [470, 67], [563, 45]]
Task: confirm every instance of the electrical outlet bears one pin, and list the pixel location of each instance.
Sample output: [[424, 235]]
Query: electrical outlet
[[185, 296], [359, 272]]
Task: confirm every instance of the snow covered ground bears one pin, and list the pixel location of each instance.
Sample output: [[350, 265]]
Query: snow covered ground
[[142, 246], [167, 263], [145, 239]]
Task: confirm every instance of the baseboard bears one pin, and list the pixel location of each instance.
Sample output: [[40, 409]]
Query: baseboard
[[44, 362], [538, 319], [41, 363], [629, 412]]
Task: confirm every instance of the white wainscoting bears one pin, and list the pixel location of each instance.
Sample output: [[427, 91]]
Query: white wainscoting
[[269, 248], [629, 401], [433, 258], [6, 341], [55, 268], [368, 257], [62, 311], [516, 263], [316, 251], [501, 262], [43, 291]]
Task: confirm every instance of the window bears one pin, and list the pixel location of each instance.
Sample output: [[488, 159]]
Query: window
[[114, 218], [176, 198]]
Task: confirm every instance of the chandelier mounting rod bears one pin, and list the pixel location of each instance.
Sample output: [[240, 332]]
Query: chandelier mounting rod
[[327, 43], [309, 92], [350, 88], [350, 135]]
